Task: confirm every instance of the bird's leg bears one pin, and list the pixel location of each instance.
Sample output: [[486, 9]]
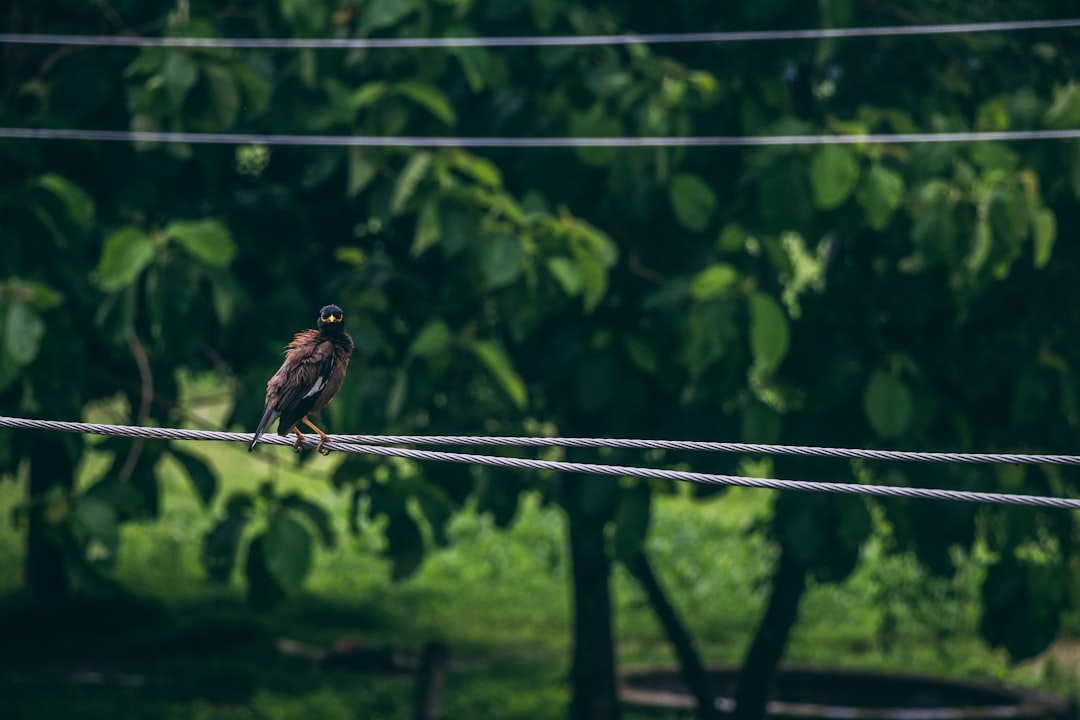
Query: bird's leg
[[300, 437], [323, 437]]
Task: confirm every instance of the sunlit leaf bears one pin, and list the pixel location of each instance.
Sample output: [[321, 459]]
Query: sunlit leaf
[[502, 370], [769, 331], [125, 253], [415, 170], [880, 194], [834, 171], [1045, 232], [427, 227], [566, 273], [77, 203], [714, 281], [361, 170], [428, 96], [207, 240]]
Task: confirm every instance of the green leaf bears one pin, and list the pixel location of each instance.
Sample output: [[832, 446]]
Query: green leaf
[[880, 195], [395, 399], [378, 14], [415, 170], [1064, 112], [692, 200], [982, 241], [479, 169], [77, 203], [428, 227], [429, 97], [432, 340], [888, 404], [404, 545], [308, 18], [206, 240], [361, 170], [714, 281], [314, 512], [221, 545], [23, 330], [1045, 232], [199, 472], [500, 367], [367, 94], [566, 273], [224, 106], [180, 74], [125, 253], [95, 525], [834, 171], [769, 331], [641, 353], [264, 591], [502, 260], [632, 515], [287, 550]]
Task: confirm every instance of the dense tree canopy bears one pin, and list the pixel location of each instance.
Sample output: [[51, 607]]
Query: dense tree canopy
[[868, 295]]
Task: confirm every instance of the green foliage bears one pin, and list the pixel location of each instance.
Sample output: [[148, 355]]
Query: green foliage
[[914, 295]]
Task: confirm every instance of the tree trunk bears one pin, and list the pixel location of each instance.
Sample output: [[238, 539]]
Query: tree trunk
[[593, 671], [50, 466], [693, 672], [759, 668]]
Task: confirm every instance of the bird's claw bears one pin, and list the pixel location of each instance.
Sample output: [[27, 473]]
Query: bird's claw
[[320, 449]]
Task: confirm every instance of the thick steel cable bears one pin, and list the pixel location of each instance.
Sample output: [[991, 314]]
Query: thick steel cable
[[537, 41], [575, 467], [581, 442], [143, 136]]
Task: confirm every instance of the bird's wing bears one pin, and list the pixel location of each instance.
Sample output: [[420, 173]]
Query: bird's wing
[[304, 374]]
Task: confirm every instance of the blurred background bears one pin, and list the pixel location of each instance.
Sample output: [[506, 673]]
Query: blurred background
[[918, 296]]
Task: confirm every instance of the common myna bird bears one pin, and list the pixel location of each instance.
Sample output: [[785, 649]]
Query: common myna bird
[[314, 367]]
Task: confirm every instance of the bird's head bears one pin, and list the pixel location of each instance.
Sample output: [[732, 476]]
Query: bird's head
[[331, 319]]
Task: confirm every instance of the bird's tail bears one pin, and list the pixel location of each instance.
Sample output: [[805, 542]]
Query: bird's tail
[[268, 419]]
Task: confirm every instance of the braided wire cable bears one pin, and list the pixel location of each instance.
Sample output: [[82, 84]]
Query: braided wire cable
[[540, 41], [599, 469], [212, 138]]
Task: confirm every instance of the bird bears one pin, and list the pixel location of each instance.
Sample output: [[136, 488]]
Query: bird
[[312, 373]]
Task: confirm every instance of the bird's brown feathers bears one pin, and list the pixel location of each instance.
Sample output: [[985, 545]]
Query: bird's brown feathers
[[310, 358]]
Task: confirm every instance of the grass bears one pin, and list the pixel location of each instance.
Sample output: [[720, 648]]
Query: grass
[[181, 648]]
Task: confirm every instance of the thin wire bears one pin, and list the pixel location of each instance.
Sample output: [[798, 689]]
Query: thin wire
[[558, 466], [533, 41], [142, 136]]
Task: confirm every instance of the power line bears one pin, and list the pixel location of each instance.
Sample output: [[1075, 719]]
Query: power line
[[537, 41], [142, 136], [723, 447], [562, 466], [135, 431]]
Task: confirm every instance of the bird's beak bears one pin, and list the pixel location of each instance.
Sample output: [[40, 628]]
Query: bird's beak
[[332, 318]]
